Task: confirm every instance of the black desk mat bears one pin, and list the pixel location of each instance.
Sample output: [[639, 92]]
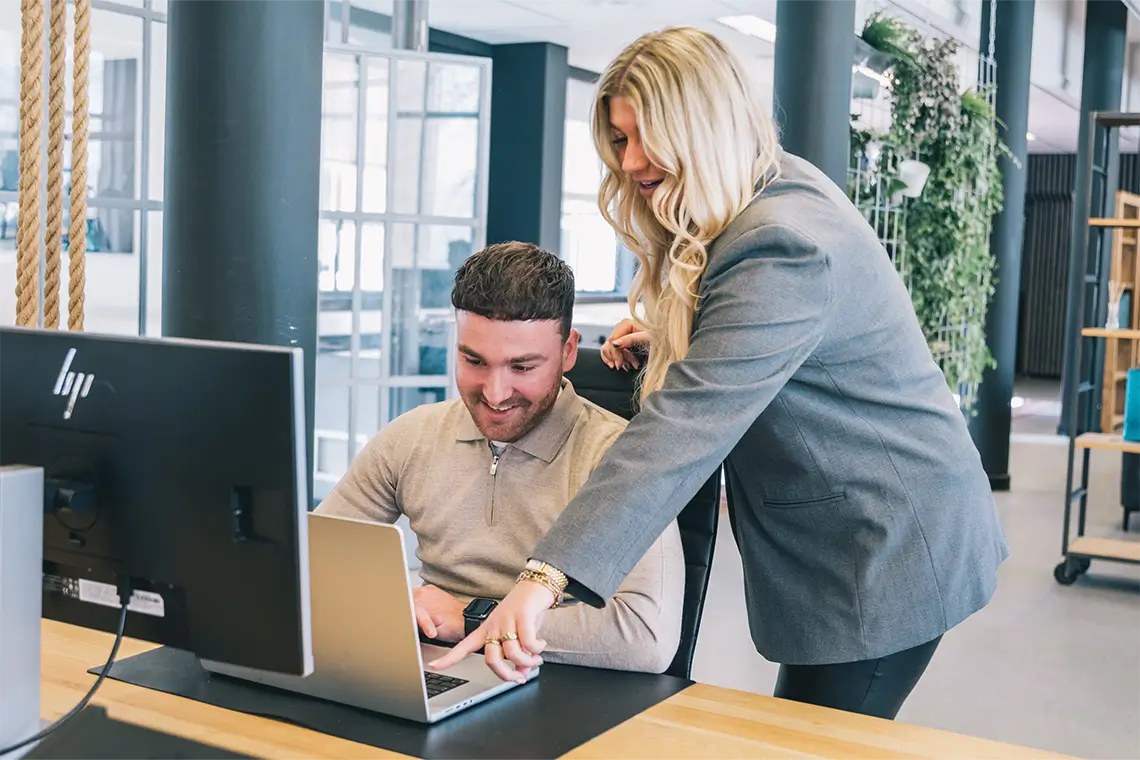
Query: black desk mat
[[93, 735], [563, 708]]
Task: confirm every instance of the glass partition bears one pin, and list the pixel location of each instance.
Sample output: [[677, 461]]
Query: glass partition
[[404, 154]]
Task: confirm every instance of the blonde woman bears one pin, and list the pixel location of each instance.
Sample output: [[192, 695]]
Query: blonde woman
[[781, 342]]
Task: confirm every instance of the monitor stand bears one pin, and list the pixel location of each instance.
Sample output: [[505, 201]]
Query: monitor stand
[[21, 602]]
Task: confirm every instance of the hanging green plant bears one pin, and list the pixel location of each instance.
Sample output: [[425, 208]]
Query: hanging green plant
[[949, 270], [888, 36]]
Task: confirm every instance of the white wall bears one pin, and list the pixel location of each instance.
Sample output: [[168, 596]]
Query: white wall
[[1057, 23]]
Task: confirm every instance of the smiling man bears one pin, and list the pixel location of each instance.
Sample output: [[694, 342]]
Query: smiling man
[[483, 477]]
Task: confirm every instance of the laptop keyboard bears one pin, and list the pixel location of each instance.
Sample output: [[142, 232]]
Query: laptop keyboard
[[437, 683]]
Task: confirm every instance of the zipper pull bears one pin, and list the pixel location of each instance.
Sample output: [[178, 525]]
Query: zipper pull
[[494, 465]]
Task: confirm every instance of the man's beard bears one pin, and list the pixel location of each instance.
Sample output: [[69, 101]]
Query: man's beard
[[526, 415]]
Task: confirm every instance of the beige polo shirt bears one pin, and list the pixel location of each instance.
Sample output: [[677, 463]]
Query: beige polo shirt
[[477, 517]]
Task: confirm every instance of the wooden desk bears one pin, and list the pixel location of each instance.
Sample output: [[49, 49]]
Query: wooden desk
[[703, 721]]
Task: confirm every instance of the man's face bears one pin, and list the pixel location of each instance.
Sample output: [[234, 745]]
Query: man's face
[[509, 373]]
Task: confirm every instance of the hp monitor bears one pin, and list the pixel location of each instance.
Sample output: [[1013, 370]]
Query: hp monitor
[[176, 467]]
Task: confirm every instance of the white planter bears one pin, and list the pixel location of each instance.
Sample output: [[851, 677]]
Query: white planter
[[875, 60], [914, 174], [873, 150]]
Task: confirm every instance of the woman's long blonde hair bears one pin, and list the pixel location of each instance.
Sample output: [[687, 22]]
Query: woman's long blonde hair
[[701, 124]]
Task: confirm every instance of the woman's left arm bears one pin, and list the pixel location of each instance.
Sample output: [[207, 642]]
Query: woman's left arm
[[763, 312], [766, 301]]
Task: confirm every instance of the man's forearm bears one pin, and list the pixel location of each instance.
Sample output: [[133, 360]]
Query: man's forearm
[[639, 629], [618, 636]]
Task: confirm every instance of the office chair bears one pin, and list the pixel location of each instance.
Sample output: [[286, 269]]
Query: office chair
[[613, 391]]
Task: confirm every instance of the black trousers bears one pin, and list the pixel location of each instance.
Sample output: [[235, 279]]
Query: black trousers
[[872, 687]]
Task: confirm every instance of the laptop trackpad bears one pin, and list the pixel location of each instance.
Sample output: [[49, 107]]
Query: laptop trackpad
[[472, 668]]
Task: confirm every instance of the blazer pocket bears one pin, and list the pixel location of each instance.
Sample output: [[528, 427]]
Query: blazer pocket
[[780, 504]]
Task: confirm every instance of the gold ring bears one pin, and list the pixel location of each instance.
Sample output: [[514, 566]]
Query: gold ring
[[491, 640], [509, 636]]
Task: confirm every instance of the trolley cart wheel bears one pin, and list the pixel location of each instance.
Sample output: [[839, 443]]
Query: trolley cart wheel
[[1067, 572]]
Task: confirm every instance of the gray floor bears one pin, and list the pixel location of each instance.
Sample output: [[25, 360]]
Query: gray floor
[[1045, 666]]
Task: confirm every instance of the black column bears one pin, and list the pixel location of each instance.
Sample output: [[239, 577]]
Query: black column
[[243, 145], [1106, 26], [1013, 46], [815, 48], [528, 100]]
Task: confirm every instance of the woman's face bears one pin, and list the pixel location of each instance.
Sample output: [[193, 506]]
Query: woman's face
[[627, 139]]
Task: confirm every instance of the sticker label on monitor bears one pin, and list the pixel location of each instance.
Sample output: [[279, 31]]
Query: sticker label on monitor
[[143, 602]]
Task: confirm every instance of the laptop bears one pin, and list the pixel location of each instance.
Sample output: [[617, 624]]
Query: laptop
[[366, 647]]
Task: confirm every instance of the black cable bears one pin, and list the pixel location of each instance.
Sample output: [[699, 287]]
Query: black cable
[[90, 693]]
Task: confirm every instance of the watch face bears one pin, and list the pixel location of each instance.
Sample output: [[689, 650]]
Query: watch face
[[480, 608]]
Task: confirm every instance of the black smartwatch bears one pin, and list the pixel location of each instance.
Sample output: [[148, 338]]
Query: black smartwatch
[[475, 613]]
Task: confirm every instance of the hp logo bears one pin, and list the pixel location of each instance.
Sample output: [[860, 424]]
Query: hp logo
[[71, 385]]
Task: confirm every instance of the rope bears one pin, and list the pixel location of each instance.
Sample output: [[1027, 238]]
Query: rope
[[28, 216], [77, 243], [54, 233]]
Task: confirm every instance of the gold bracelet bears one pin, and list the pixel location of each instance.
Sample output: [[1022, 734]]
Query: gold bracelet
[[552, 573], [543, 580]]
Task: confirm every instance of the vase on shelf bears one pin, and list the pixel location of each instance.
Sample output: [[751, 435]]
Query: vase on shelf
[[1113, 321]]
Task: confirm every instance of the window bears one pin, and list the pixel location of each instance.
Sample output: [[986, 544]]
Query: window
[[602, 266], [124, 164], [402, 192]]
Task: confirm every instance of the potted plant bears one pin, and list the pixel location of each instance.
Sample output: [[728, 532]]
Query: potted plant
[[884, 40]]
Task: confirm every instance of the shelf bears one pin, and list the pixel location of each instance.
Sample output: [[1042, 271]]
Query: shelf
[[1108, 548], [1116, 223], [1102, 332], [1106, 441], [1116, 119]]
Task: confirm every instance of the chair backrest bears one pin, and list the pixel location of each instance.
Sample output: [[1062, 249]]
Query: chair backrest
[[613, 390]]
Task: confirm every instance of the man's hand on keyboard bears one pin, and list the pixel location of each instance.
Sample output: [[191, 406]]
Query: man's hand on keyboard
[[438, 613]]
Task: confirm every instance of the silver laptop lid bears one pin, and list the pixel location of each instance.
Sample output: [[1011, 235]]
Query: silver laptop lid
[[364, 625]]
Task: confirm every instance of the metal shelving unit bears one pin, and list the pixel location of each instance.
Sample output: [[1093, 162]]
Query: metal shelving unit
[[1088, 294]]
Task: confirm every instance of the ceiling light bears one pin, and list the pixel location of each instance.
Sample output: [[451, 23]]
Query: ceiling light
[[1030, 136], [753, 26]]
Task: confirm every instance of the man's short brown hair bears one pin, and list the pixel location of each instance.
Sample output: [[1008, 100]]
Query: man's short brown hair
[[516, 282]]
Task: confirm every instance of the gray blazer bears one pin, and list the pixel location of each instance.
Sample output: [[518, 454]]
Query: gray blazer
[[863, 515]]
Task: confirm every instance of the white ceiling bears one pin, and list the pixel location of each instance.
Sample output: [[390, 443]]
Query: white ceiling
[[594, 31]]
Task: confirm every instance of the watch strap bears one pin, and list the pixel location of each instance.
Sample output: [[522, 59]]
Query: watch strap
[[471, 622]]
